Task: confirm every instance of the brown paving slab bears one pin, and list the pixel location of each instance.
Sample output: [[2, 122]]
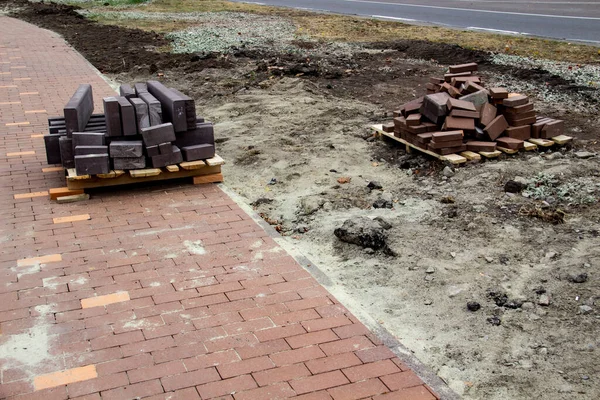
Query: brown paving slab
[[160, 294]]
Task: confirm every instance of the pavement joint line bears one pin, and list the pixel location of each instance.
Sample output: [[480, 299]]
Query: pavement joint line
[[65, 377], [36, 112], [18, 67], [5, 73], [37, 135], [30, 195], [72, 218], [50, 258], [104, 300], [21, 79], [27, 93], [15, 57], [4, 62], [17, 123], [8, 86], [52, 169], [21, 153], [7, 103]]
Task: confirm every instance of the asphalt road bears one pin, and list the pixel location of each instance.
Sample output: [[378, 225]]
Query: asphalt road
[[572, 21]]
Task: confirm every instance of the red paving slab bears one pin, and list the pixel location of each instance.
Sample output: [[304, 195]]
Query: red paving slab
[[174, 293]]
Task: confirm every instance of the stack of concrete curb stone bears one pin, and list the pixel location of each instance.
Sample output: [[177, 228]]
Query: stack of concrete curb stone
[[148, 125]]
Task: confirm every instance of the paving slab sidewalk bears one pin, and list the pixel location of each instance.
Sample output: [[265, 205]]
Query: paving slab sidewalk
[[163, 292]]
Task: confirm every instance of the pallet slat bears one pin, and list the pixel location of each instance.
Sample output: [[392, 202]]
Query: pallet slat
[[451, 158]]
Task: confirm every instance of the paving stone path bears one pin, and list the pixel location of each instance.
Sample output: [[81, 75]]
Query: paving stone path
[[168, 292]]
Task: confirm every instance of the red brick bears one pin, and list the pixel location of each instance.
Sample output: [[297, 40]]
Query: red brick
[[117, 340], [220, 288], [296, 356], [260, 291], [261, 349], [136, 391], [189, 379], [156, 371], [371, 370], [332, 310], [183, 394], [321, 395], [211, 360], [281, 374], [249, 326], [402, 380], [319, 382], [229, 342], [226, 386], [267, 311], [167, 330], [56, 393], [147, 346], [262, 281], [97, 385], [245, 367], [296, 316], [375, 354], [326, 323], [217, 320], [308, 303], [266, 335], [179, 352], [308, 339], [346, 345], [338, 361], [413, 393], [293, 286], [123, 364], [273, 392], [199, 336], [358, 390], [348, 331]]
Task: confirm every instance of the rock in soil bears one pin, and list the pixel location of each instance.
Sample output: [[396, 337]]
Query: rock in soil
[[362, 231], [578, 278], [473, 306], [374, 185], [494, 320], [544, 300], [513, 187]]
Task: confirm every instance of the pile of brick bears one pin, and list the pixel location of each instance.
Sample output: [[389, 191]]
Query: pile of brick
[[459, 114], [148, 125]]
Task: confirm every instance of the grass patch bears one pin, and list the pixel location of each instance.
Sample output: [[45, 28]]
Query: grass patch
[[355, 29]]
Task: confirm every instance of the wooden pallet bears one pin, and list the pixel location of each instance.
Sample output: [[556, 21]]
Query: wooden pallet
[[455, 159], [208, 171], [530, 145]]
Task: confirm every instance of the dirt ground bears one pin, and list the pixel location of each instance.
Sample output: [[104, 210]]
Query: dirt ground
[[289, 127]]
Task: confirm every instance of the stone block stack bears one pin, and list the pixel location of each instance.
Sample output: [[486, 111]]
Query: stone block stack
[[148, 125], [458, 113]]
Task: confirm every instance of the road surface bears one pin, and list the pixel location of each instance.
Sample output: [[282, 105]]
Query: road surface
[[571, 21]]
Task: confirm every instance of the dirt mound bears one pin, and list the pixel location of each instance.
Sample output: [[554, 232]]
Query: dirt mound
[[111, 49]]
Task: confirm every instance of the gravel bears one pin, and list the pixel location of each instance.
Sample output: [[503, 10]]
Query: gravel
[[223, 32]]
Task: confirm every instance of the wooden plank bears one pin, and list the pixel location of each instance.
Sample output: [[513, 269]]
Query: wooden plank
[[172, 168], [63, 191], [216, 160], [562, 139], [490, 154], [507, 151], [73, 198], [112, 174], [72, 175], [212, 178], [126, 179], [190, 165], [529, 146], [471, 156], [542, 142], [143, 173], [452, 158]]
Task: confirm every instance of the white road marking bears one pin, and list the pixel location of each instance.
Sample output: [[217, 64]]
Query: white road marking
[[476, 28], [394, 18], [469, 9]]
